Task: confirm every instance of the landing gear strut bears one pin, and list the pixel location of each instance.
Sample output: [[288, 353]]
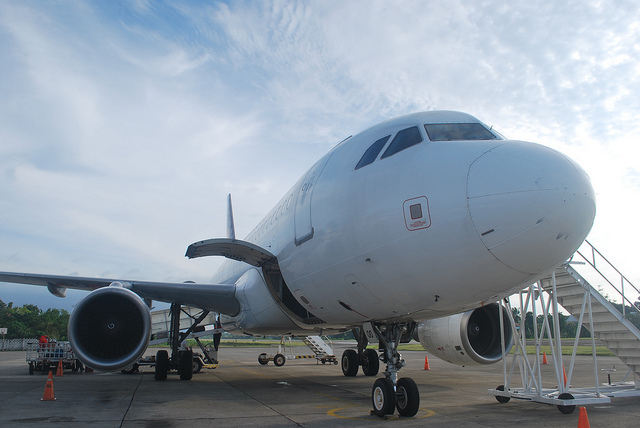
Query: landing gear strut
[[390, 392], [180, 359], [367, 358]]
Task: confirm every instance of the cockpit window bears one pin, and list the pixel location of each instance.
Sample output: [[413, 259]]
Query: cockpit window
[[403, 139], [372, 152], [458, 132]]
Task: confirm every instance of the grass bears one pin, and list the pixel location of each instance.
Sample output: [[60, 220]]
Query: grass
[[601, 351]]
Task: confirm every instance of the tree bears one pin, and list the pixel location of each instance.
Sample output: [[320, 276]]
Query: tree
[[30, 321]]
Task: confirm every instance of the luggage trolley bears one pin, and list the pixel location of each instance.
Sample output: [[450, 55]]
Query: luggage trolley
[[43, 357]]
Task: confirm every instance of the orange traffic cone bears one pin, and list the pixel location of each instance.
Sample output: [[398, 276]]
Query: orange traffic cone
[[48, 389], [583, 419], [426, 363], [564, 373], [544, 358], [60, 369]]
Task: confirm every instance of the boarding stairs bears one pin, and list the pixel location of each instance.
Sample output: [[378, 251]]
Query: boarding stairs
[[594, 310], [322, 350], [611, 326]]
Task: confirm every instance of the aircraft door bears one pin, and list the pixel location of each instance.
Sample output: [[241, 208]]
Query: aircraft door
[[302, 217]]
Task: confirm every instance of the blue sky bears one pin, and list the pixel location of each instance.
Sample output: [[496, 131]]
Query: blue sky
[[124, 125]]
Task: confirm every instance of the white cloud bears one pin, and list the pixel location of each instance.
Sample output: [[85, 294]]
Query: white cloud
[[123, 128]]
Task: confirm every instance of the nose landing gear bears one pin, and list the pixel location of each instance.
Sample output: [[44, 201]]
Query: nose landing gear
[[388, 393]]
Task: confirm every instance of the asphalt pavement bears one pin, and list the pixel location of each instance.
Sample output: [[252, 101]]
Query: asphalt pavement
[[241, 392]]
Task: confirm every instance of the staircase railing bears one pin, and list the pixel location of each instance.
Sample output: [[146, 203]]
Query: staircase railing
[[596, 256]]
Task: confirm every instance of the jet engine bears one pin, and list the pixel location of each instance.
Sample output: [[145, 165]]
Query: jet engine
[[469, 338], [109, 329]]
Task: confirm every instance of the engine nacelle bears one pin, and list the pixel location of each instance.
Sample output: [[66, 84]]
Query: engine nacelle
[[469, 338], [109, 329]]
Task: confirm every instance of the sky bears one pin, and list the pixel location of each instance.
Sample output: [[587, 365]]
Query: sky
[[124, 124]]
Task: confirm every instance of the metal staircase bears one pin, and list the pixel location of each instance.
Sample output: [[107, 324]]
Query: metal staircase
[[320, 348], [594, 310], [610, 325]]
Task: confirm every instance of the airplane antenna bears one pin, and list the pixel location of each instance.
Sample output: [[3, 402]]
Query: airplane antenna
[[231, 229]]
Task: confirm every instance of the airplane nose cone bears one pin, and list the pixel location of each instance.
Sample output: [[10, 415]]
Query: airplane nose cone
[[531, 206]]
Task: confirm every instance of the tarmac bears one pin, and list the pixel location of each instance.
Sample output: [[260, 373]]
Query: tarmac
[[242, 393]]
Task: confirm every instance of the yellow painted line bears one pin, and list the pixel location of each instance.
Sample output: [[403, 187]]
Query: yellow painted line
[[334, 412], [422, 413], [256, 373]]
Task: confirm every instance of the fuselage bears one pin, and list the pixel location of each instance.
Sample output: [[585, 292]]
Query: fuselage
[[418, 217]]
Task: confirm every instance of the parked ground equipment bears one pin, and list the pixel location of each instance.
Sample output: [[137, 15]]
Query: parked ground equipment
[[43, 357]]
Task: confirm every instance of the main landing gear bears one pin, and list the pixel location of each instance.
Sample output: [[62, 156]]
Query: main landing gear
[[181, 359], [388, 393]]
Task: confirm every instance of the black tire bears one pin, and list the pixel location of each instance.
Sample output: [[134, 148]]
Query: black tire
[[32, 369], [370, 362], [566, 410], [350, 362], [185, 365], [383, 397], [162, 365], [407, 397], [279, 360], [263, 359], [132, 370], [197, 365], [502, 400]]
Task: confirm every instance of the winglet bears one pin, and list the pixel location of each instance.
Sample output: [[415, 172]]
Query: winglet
[[231, 229]]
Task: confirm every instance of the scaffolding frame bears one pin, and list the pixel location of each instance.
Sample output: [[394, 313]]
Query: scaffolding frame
[[562, 395]]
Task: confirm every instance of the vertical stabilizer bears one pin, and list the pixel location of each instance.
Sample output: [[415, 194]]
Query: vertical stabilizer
[[231, 229]]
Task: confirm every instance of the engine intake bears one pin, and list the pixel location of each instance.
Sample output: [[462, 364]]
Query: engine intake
[[109, 329], [469, 338]]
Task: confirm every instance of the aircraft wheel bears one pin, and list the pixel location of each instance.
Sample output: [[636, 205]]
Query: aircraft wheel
[[383, 397], [407, 397], [370, 362], [162, 365], [132, 370], [279, 360], [197, 365], [566, 410], [263, 359], [186, 365], [350, 362], [502, 400]]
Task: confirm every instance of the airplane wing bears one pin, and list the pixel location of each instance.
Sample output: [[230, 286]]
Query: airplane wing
[[214, 297], [218, 298]]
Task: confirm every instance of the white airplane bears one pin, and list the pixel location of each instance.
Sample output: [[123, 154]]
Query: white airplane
[[400, 231]]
